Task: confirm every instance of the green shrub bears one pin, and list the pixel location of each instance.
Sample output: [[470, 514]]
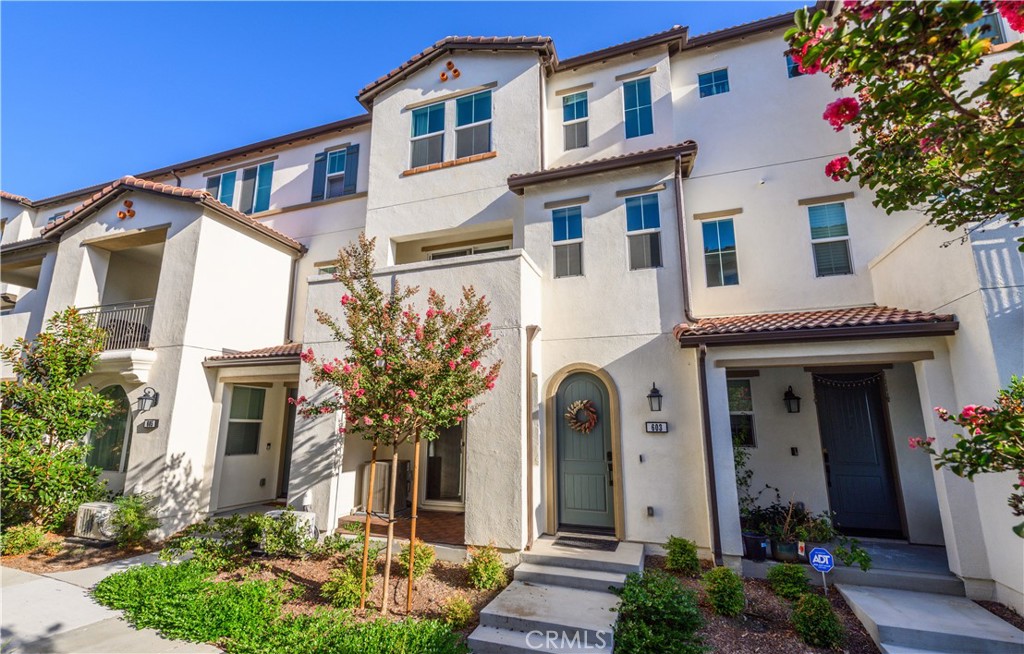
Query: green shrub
[[485, 567], [457, 612], [788, 580], [182, 601], [725, 591], [22, 540], [333, 545], [355, 527], [133, 519], [283, 534], [344, 587], [657, 614], [424, 558], [682, 556], [816, 622], [227, 543]]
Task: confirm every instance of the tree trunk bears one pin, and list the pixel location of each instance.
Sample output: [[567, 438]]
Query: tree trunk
[[412, 526], [366, 529], [391, 529]]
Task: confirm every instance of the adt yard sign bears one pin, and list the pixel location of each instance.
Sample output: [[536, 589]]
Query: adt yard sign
[[821, 560]]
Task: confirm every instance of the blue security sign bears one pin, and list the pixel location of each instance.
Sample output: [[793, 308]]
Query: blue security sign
[[821, 560]]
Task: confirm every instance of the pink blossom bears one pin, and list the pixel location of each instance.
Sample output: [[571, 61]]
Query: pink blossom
[[379, 352], [969, 410], [1013, 12], [452, 364], [810, 67], [841, 112], [466, 351], [474, 365], [430, 313], [928, 145], [412, 394], [328, 368], [307, 356], [838, 168], [341, 430], [386, 416], [346, 368], [458, 420], [914, 441], [490, 386], [408, 408], [866, 9], [419, 333], [345, 299], [360, 392], [396, 420], [452, 340], [367, 420]]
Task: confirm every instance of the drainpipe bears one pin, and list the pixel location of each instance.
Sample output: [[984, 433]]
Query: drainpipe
[[531, 333], [288, 335], [702, 371]]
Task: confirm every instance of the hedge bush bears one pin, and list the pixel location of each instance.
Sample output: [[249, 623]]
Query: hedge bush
[[725, 591], [425, 555], [657, 614], [456, 611], [133, 519], [817, 623], [485, 567], [682, 556], [22, 540], [788, 580]]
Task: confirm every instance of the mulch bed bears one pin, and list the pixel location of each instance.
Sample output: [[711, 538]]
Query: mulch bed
[[1002, 611], [765, 627], [71, 556], [444, 580]]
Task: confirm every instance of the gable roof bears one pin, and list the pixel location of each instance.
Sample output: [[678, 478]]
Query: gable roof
[[540, 44], [15, 198], [130, 183], [687, 150], [799, 326]]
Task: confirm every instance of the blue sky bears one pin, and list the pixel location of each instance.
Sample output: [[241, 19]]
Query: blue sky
[[93, 91]]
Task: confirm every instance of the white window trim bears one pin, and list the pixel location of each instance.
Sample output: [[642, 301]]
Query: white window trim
[[443, 131], [709, 72], [831, 239], [576, 121], [557, 244], [458, 128], [329, 176], [622, 103]]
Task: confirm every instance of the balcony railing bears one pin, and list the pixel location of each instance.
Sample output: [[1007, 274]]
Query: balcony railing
[[127, 324]]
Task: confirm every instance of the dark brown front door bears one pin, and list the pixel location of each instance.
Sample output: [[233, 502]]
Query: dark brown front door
[[855, 448]]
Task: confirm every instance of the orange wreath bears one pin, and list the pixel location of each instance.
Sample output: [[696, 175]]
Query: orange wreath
[[589, 411]]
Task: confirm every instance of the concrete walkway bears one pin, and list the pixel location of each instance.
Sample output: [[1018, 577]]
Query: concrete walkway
[[55, 613]]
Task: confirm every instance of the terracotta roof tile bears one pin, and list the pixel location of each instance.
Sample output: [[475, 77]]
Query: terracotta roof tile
[[803, 324], [663, 153], [743, 29], [15, 198], [130, 183], [273, 352], [673, 35]]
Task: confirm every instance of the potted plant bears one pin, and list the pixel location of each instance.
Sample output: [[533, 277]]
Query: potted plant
[[784, 534], [815, 531]]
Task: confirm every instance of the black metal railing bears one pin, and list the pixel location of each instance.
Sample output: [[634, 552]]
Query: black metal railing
[[127, 324]]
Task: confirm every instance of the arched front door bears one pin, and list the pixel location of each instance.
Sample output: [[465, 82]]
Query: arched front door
[[584, 458], [111, 439]]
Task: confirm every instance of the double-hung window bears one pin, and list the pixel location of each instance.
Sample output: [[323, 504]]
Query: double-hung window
[[251, 195], [636, 98], [245, 420], [720, 253], [714, 82], [428, 135], [335, 173], [830, 239], [574, 120], [643, 230], [741, 412], [991, 28], [473, 124], [792, 68], [567, 234]]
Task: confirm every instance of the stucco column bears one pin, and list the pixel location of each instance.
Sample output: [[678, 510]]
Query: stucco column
[[723, 461], [958, 508]]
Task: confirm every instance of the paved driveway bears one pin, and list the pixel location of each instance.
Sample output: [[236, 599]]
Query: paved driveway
[[54, 613]]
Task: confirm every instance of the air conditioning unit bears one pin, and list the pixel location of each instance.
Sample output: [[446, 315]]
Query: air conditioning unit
[[304, 521], [93, 521], [382, 486]]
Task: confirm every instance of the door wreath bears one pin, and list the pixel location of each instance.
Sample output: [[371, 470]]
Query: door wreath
[[589, 413]]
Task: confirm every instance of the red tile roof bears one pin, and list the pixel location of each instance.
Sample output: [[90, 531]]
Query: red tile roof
[[287, 351], [129, 183], [741, 30], [871, 321], [542, 44], [674, 37], [15, 198], [688, 150]]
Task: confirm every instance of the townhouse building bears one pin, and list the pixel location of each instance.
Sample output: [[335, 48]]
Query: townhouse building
[[652, 214]]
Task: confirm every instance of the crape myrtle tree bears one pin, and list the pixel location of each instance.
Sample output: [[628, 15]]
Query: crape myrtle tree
[[45, 418], [406, 375], [938, 127]]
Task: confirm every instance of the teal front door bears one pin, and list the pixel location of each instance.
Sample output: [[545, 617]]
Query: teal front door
[[584, 465]]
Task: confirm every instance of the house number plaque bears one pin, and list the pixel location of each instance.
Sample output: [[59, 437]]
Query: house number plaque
[[657, 427]]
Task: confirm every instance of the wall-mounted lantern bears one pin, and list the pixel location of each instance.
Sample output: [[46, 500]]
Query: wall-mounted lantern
[[792, 401], [149, 399], [654, 398]]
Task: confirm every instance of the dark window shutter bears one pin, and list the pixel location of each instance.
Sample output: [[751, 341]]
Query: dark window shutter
[[248, 188], [351, 169], [213, 186], [319, 176]]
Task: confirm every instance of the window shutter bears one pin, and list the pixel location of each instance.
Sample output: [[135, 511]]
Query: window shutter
[[248, 189], [319, 176], [351, 169], [213, 186]]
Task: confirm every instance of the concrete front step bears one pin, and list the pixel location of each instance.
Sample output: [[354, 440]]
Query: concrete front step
[[924, 582], [528, 607], [930, 622], [569, 577], [488, 640], [627, 557]]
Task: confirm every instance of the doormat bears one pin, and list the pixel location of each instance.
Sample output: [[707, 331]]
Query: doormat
[[596, 544]]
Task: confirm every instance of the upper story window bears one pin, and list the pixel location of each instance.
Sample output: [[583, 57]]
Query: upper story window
[[741, 412], [991, 28], [428, 135], [567, 234], [714, 82], [792, 68], [720, 253], [473, 124], [643, 227], [334, 172], [55, 217], [251, 194], [636, 98], [574, 120], [830, 239]]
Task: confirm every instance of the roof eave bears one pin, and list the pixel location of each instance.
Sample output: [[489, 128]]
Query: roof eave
[[740, 31], [8, 249], [860, 332], [674, 38], [251, 361]]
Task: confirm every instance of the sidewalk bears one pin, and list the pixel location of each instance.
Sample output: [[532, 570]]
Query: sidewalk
[[54, 613]]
